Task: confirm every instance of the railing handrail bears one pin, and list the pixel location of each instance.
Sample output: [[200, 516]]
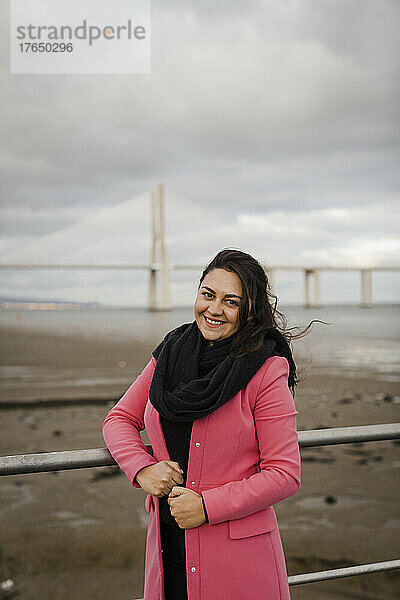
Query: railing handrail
[[386, 565], [100, 457]]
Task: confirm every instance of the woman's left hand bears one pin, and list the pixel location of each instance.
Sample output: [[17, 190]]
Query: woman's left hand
[[186, 507]]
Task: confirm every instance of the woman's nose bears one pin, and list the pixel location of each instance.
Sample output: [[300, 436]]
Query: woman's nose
[[215, 307]]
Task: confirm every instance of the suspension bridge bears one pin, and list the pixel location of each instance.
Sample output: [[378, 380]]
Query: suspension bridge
[[73, 248]]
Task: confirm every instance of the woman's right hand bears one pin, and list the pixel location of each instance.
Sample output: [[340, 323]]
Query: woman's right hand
[[159, 479]]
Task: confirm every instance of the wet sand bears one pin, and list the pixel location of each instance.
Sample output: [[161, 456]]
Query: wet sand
[[81, 534]]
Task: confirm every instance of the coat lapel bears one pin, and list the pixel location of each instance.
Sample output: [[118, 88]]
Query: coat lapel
[[155, 433]]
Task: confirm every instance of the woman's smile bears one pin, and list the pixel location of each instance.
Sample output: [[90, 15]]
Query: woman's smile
[[212, 322]]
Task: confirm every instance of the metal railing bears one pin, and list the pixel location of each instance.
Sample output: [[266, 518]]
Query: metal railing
[[101, 457], [386, 565]]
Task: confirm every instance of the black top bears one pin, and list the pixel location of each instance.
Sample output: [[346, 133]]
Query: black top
[[177, 434]]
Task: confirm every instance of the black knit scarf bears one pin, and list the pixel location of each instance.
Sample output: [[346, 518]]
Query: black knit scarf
[[180, 392]]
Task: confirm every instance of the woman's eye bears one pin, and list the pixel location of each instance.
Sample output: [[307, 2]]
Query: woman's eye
[[232, 302], [207, 294]]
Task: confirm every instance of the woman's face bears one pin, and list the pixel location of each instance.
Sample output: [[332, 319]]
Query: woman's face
[[217, 305]]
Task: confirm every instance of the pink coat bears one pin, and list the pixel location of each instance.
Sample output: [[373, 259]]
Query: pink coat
[[243, 458]]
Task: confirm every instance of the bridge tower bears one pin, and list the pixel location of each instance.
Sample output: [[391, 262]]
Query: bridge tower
[[159, 288]]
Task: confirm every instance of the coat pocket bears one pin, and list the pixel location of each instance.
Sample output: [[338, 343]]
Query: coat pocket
[[260, 522]]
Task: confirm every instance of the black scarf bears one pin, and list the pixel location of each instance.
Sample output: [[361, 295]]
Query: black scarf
[[180, 392]]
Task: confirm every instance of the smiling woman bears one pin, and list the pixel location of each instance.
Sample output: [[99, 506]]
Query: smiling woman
[[216, 402], [217, 305]]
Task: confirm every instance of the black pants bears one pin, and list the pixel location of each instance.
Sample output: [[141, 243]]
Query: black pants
[[174, 562]]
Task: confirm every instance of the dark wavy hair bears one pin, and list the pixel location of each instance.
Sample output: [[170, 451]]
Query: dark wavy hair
[[258, 311]]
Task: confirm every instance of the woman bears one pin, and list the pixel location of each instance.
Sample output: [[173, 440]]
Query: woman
[[215, 401]]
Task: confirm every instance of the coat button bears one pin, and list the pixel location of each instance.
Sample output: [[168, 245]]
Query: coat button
[[197, 444], [193, 569], [193, 483]]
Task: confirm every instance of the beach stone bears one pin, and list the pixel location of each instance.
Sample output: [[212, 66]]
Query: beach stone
[[330, 499], [346, 400]]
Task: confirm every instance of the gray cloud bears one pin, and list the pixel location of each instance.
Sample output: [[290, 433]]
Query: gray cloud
[[262, 118]]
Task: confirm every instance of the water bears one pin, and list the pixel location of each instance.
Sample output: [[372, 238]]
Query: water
[[379, 322], [357, 339]]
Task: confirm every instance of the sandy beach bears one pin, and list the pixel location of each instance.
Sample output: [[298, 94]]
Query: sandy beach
[[81, 534]]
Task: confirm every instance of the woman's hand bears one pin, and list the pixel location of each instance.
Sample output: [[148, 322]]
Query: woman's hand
[[186, 507], [159, 479]]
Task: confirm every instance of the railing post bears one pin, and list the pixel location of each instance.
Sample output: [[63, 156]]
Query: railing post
[[307, 273], [317, 302], [366, 288]]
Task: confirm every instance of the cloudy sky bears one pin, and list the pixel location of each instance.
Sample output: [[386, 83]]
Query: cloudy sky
[[274, 126]]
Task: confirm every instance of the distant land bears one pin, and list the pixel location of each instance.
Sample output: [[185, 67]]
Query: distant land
[[5, 300], [12, 303]]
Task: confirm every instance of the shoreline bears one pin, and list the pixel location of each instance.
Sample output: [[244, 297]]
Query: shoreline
[[67, 530]]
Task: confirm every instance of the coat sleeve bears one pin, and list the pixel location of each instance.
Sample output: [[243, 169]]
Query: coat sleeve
[[279, 475], [123, 424]]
